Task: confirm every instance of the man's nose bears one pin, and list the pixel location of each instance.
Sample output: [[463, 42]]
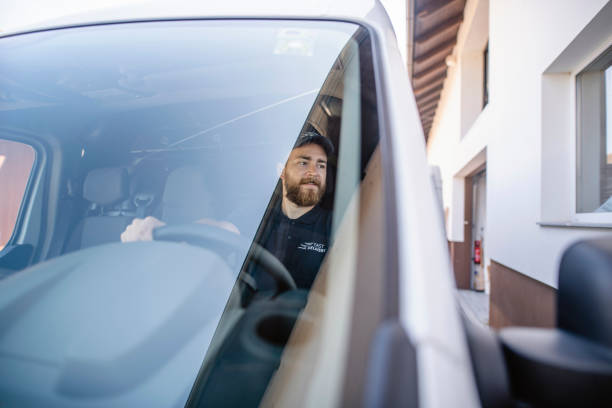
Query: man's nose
[[313, 171]]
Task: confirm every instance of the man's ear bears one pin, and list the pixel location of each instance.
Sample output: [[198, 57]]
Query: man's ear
[[280, 170]]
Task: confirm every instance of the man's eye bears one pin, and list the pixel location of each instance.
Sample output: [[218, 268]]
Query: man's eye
[[302, 163], [322, 166]]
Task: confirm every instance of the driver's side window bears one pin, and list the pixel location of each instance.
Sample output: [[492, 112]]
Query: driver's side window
[[16, 163]]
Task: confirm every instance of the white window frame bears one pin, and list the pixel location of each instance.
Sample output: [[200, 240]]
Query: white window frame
[[576, 217], [559, 142]]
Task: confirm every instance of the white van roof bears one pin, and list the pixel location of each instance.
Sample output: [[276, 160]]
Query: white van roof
[[364, 10]]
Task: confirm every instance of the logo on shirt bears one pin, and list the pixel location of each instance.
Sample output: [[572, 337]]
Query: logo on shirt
[[313, 246]]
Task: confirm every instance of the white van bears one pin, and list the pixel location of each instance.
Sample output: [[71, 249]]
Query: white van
[[261, 276]]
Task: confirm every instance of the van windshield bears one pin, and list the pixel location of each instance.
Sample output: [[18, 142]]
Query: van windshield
[[184, 185]]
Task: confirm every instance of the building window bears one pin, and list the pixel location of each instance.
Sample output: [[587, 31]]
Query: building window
[[594, 132]]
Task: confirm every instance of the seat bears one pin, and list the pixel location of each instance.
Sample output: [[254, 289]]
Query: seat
[[146, 189], [109, 211], [186, 198]]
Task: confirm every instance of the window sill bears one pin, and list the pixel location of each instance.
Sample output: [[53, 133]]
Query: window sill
[[572, 224]]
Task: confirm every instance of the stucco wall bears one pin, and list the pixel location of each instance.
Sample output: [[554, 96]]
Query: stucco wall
[[525, 38]]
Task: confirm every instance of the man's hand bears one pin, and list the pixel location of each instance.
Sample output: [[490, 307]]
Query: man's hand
[[141, 229]]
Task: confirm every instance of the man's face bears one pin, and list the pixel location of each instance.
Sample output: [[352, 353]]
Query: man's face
[[304, 175]]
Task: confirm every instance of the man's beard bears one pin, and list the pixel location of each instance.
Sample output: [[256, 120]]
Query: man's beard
[[304, 197]]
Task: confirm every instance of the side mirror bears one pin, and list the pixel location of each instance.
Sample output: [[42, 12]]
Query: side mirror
[[570, 365], [584, 303]]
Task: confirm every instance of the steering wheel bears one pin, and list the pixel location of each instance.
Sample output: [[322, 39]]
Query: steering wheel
[[212, 237]]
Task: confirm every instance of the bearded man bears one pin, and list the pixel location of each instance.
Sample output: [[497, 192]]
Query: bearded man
[[298, 229], [298, 232]]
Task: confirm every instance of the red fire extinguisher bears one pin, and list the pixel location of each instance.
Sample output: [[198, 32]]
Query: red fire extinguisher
[[477, 252]]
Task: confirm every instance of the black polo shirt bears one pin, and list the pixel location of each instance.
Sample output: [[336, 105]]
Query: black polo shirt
[[300, 244]]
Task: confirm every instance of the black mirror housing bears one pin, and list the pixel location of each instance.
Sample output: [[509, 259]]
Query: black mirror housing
[[572, 364], [584, 301]]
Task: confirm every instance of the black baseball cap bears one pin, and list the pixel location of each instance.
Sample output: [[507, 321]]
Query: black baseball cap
[[314, 137]]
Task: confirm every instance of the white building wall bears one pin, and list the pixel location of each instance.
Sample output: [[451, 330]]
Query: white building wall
[[459, 133], [525, 38]]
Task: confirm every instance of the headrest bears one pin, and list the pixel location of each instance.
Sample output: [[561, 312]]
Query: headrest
[[106, 186], [147, 186], [186, 198]]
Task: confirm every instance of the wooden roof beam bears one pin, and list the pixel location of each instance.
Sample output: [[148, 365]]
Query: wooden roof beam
[[440, 51], [427, 87], [434, 68], [428, 99], [431, 7], [428, 105], [430, 111], [435, 80], [427, 120], [427, 108], [452, 22], [435, 92]]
